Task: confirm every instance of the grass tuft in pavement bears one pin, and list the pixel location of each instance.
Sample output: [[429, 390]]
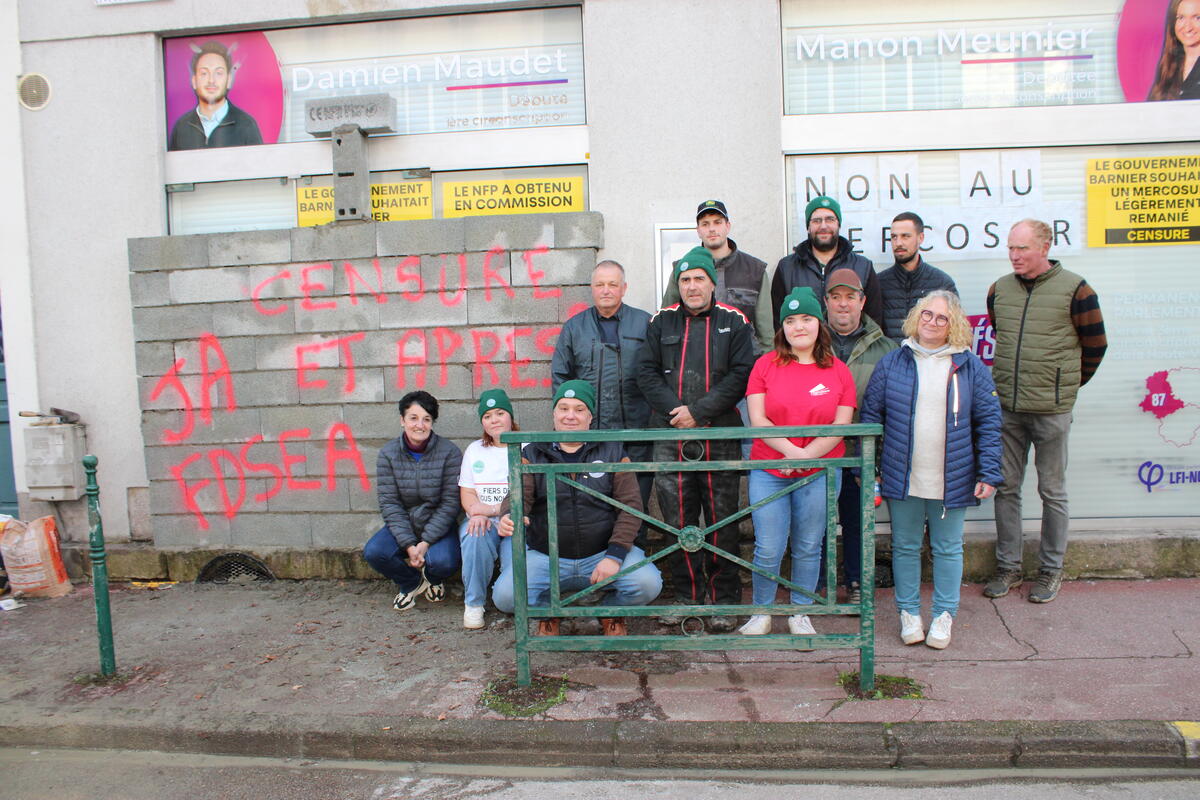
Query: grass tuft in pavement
[[887, 687], [505, 697]]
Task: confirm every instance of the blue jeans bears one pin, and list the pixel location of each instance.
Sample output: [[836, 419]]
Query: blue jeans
[[638, 588], [442, 560], [479, 554], [945, 543], [796, 520]]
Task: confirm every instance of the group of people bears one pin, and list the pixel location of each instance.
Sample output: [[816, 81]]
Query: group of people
[[822, 341]]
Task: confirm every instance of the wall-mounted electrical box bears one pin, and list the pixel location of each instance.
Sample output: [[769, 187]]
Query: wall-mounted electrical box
[[54, 462]]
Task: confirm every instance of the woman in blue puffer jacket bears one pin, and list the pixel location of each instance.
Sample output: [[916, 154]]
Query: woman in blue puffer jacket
[[940, 454]]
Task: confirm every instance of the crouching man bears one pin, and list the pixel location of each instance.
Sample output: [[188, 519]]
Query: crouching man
[[595, 540]]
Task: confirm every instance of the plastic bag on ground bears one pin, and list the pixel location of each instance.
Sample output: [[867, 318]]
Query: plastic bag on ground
[[32, 558]]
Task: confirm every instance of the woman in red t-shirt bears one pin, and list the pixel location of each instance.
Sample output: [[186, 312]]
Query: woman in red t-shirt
[[799, 383]]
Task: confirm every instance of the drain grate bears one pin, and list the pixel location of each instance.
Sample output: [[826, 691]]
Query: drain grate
[[234, 568]]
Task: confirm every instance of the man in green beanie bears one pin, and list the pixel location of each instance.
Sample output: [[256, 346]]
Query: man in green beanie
[[693, 370], [595, 540], [824, 251]]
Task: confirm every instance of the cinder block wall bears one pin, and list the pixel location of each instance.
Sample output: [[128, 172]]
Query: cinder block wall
[[270, 362]]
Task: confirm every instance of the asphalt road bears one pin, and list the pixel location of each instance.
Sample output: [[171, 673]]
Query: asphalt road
[[27, 774]]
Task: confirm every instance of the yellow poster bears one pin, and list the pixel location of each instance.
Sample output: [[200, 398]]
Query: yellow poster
[[390, 202], [1143, 200], [514, 196]]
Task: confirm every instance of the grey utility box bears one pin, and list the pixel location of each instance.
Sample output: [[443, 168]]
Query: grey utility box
[[54, 461]]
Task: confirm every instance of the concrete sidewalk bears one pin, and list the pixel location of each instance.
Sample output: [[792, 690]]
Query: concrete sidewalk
[[324, 669]]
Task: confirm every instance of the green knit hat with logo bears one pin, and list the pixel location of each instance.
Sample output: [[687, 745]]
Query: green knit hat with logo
[[696, 258], [822, 202], [579, 390], [492, 399], [801, 300]]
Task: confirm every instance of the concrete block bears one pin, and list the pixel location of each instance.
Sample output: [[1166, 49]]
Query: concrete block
[[333, 242], [286, 352], [458, 421], [266, 388], [269, 530], [365, 280], [582, 229], [343, 562], [167, 497], [333, 386], [420, 237], [171, 323], [241, 319], [556, 267], [373, 420], [168, 393], [225, 284], [160, 459], [510, 232], [573, 300], [227, 426], [345, 531], [317, 419], [312, 500], [343, 317], [534, 415], [449, 275], [149, 289], [250, 247], [364, 500], [445, 382], [153, 358], [538, 344], [137, 505], [238, 351], [344, 469], [378, 348], [168, 252], [537, 373], [426, 312], [182, 531], [514, 305]]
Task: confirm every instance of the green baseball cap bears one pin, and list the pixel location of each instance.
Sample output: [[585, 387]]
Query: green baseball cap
[[579, 390], [494, 398], [696, 258], [801, 300]]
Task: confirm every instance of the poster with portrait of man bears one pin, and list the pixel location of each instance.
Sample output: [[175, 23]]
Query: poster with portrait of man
[[222, 91]]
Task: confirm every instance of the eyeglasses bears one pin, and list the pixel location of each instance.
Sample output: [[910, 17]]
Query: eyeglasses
[[940, 320]]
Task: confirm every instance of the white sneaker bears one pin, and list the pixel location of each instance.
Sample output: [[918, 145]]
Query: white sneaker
[[473, 617], [939, 631], [801, 625], [912, 630], [757, 625]]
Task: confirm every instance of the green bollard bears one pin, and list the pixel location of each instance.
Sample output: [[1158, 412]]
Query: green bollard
[[108, 655]]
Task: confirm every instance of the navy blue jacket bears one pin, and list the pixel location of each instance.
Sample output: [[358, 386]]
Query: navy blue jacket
[[972, 431]]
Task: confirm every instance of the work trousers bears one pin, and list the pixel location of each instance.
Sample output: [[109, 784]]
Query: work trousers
[[1047, 433], [686, 497]]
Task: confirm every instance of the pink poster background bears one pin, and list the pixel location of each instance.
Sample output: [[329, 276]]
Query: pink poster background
[[1139, 44], [257, 84]]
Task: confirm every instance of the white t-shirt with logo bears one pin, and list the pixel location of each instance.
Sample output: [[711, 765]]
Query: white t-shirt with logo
[[485, 469]]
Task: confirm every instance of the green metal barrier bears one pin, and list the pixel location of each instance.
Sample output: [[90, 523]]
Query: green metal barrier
[[104, 629], [692, 539]]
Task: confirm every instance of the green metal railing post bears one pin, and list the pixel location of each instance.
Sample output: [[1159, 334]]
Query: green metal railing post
[[108, 655]]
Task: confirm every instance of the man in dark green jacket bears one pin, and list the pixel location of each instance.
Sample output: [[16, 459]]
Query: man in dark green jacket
[[1049, 341], [860, 343]]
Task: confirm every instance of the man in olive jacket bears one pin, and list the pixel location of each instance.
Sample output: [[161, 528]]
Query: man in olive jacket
[[1049, 341], [860, 343]]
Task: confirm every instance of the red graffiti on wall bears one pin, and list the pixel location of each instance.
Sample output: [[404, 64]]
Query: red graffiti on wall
[[497, 357]]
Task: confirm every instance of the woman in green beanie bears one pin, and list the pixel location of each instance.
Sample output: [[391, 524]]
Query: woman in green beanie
[[800, 382], [482, 486]]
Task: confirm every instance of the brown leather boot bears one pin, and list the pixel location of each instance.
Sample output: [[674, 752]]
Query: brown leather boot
[[548, 627], [613, 626]]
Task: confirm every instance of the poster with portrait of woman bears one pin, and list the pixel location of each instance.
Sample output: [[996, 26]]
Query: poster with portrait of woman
[[1158, 50]]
